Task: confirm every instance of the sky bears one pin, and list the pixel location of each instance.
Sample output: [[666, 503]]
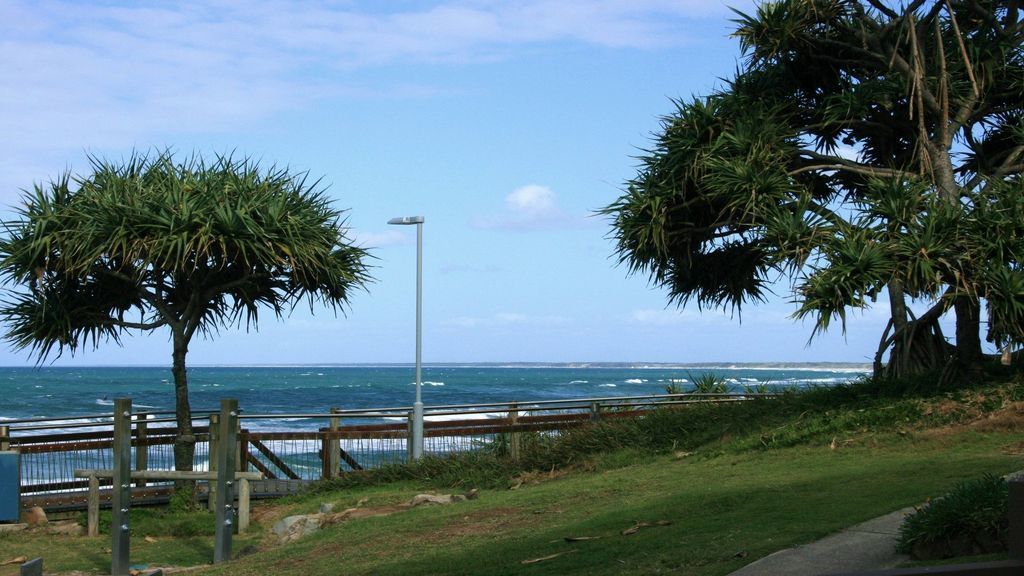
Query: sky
[[506, 125]]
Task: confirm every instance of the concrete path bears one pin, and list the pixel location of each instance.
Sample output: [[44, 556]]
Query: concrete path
[[866, 546]]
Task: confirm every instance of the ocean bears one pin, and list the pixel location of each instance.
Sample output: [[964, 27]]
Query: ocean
[[60, 392]]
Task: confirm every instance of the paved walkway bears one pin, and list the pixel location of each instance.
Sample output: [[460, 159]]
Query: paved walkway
[[866, 546]]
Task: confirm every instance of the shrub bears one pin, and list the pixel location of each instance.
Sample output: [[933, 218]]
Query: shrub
[[972, 519]]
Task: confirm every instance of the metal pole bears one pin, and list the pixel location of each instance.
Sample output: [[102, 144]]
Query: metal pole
[[121, 495], [417, 407], [226, 455]]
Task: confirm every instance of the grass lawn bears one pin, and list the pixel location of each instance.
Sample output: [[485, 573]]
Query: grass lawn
[[725, 511], [754, 479]]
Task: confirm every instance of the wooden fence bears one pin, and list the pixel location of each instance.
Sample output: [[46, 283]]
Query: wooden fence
[[289, 459]]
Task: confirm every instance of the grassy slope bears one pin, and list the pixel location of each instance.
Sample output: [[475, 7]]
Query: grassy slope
[[725, 511], [762, 476]]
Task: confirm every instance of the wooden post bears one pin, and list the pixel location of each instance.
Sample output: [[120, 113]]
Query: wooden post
[[121, 494], [408, 439], [226, 465], [243, 453], [211, 461], [243, 505], [595, 411], [5, 438], [513, 436], [93, 507], [332, 449], [141, 448], [239, 449]]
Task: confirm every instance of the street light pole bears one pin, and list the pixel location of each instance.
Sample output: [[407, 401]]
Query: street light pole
[[417, 407]]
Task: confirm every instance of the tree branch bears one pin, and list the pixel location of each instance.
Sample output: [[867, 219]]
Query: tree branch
[[881, 7], [139, 325], [841, 164]]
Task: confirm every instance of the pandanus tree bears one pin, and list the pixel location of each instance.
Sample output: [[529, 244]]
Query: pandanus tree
[[152, 243], [863, 148]]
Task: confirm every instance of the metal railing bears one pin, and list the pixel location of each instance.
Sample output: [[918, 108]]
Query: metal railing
[[308, 446]]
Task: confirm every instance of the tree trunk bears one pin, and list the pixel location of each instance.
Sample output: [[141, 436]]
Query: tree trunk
[[968, 310], [968, 331], [185, 442]]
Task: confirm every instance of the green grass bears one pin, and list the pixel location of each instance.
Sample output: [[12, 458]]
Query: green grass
[[736, 482], [725, 511]]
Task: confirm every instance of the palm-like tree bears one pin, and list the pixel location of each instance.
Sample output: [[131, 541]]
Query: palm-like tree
[[193, 246], [861, 146]]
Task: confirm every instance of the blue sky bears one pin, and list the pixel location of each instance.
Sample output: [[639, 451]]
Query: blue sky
[[506, 125]]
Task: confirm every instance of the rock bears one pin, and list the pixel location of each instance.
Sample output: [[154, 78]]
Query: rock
[[34, 516], [294, 527], [65, 528], [430, 499], [12, 527], [326, 507]]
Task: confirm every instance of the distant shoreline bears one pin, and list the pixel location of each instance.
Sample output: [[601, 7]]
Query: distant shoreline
[[832, 366]]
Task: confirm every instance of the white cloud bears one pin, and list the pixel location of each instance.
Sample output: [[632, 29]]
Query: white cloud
[[120, 75], [532, 201], [505, 319], [530, 207]]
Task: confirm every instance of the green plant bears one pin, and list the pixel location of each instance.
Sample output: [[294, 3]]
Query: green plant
[[970, 519], [709, 383], [155, 242]]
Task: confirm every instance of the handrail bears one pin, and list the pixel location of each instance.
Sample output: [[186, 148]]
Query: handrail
[[391, 412]]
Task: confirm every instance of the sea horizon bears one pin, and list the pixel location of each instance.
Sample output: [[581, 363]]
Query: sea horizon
[[638, 365]]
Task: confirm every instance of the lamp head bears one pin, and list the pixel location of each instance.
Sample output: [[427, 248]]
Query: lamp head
[[406, 220]]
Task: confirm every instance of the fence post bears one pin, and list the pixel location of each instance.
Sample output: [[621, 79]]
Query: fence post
[[92, 514], [121, 495], [332, 449], [141, 447], [225, 480], [211, 461], [408, 438], [595, 411], [513, 436], [5, 438], [1016, 510], [243, 450], [239, 465]]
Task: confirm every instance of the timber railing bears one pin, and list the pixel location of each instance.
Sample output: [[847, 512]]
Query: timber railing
[[292, 448]]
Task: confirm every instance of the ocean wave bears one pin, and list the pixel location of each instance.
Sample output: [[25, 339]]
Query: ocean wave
[[636, 381], [607, 386], [579, 382], [107, 402]]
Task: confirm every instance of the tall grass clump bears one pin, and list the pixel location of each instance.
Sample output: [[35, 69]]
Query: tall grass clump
[[973, 518]]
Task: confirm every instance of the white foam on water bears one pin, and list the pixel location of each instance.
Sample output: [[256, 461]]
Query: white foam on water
[[451, 417], [636, 381], [607, 386], [580, 382]]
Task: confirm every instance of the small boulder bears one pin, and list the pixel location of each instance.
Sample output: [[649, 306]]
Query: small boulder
[[430, 499], [326, 507], [34, 516], [295, 527], [65, 528]]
